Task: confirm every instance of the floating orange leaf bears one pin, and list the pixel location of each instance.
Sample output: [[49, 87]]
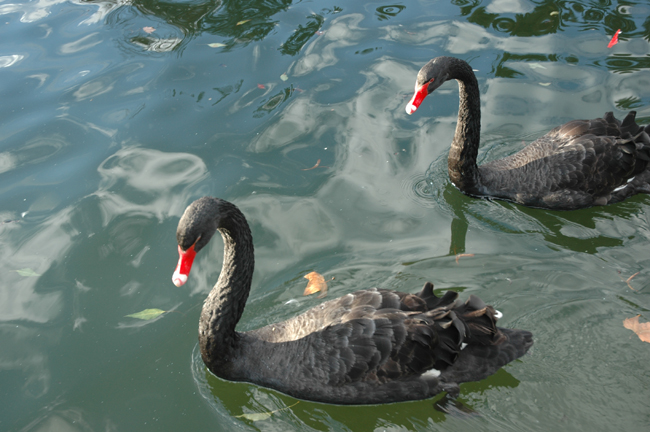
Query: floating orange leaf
[[641, 329], [462, 256], [316, 283], [261, 86], [614, 40], [149, 29], [315, 166]]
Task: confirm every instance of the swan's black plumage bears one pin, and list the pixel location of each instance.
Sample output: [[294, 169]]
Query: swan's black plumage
[[579, 164], [371, 346]]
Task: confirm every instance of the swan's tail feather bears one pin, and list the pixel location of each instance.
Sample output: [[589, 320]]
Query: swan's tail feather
[[477, 362], [433, 301], [629, 125]]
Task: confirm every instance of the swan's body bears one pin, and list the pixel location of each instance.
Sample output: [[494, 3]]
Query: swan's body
[[371, 346], [579, 164]]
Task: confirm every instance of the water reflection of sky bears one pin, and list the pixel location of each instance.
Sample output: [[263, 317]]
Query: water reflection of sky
[[109, 131]]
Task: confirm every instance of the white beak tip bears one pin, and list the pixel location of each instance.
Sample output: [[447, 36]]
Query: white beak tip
[[179, 279]]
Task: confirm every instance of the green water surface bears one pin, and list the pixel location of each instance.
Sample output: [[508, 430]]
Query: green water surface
[[115, 115]]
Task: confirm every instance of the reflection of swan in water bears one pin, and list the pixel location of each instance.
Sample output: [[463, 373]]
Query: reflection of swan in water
[[230, 399], [371, 346], [580, 164], [576, 231]]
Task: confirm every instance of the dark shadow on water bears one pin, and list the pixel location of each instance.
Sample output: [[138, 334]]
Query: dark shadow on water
[[549, 16], [236, 23]]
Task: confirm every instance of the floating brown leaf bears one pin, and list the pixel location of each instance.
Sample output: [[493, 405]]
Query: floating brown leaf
[[641, 329], [149, 29], [629, 279], [316, 283]]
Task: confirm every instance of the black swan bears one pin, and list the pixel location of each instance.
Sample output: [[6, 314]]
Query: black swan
[[580, 164], [372, 346]]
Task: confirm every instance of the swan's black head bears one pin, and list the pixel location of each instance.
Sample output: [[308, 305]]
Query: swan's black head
[[195, 229], [431, 76]]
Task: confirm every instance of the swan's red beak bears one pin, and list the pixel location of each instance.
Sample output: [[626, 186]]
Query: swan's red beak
[[418, 97], [185, 260]]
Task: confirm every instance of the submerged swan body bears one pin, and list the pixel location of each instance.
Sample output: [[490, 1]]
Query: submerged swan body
[[580, 164], [371, 346]]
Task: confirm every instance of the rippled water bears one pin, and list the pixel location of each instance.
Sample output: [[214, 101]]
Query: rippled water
[[116, 115]]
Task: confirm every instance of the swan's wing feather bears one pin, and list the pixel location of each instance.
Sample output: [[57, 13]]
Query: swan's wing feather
[[351, 306], [379, 345], [590, 158]]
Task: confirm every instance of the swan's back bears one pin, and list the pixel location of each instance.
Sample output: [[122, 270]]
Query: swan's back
[[579, 164]]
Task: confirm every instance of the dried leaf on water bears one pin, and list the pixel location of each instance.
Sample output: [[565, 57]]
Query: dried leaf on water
[[243, 22], [629, 279], [27, 272], [463, 256], [149, 29], [261, 86], [315, 166], [147, 314], [614, 40], [316, 283], [262, 415], [641, 329]]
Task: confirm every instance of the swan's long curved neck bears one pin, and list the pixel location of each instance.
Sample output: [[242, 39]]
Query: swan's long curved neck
[[224, 305], [463, 171]]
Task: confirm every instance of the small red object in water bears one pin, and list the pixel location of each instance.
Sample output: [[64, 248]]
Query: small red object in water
[[614, 40], [261, 86]]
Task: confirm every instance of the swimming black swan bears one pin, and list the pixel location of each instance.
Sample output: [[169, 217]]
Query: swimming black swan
[[372, 346], [580, 164]]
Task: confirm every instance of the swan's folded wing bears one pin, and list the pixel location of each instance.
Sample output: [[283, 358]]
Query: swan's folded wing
[[351, 306], [385, 344], [595, 156]]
